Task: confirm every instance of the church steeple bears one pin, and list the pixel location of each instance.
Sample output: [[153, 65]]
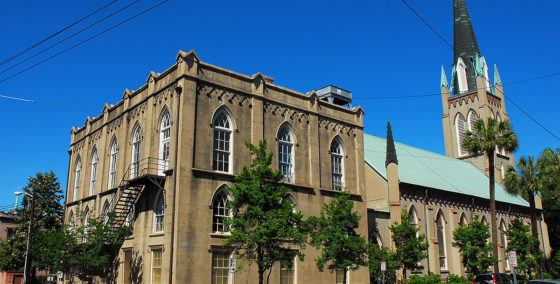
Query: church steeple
[[466, 52]]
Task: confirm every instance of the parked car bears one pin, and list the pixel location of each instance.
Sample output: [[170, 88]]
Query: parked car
[[545, 281], [492, 278]]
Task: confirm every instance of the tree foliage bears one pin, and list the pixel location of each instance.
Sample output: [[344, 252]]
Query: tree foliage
[[550, 160], [484, 139], [525, 245], [411, 246], [472, 242], [92, 247], [334, 232], [378, 254], [263, 222], [47, 244]]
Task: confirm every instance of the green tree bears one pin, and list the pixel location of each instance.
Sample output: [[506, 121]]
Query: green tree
[[484, 140], [46, 248], [378, 254], [334, 232], [551, 203], [263, 224], [411, 246], [525, 245], [92, 248], [471, 240]]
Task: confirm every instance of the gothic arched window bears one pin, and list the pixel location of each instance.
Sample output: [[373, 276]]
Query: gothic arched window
[[472, 117], [113, 163], [159, 207], [77, 173], [461, 129], [164, 138], [136, 147], [222, 141], [286, 153], [337, 163], [94, 161], [440, 226], [220, 212], [105, 212]]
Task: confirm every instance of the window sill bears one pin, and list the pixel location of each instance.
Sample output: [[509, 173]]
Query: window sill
[[444, 270], [158, 234], [220, 235], [129, 238], [331, 192], [212, 173]]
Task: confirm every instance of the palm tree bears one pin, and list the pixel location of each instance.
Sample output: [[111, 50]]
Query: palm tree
[[484, 139]]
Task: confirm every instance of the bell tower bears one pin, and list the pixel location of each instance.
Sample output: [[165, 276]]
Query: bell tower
[[470, 95]]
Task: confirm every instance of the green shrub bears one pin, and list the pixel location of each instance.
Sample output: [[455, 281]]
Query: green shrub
[[426, 279], [456, 279]]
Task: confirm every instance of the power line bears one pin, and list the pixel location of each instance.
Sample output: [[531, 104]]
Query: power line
[[69, 37], [84, 41], [55, 34], [38, 102], [516, 105]]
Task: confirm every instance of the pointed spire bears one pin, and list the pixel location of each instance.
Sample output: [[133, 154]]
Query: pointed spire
[[443, 78], [391, 152], [464, 42], [497, 79]]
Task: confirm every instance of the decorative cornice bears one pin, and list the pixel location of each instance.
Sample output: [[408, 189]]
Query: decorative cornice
[[114, 125], [164, 95], [137, 110], [336, 127], [286, 112], [222, 94], [462, 99]]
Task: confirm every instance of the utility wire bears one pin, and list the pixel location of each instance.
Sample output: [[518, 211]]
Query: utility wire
[[69, 37], [515, 104], [84, 41], [55, 34]]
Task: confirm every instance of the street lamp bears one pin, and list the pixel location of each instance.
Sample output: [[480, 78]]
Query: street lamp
[[29, 231]]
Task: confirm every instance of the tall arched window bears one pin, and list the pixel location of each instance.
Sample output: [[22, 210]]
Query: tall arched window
[[337, 163], [220, 212], [113, 163], [503, 239], [159, 207], [136, 147], [71, 220], [462, 76], [94, 160], [86, 219], [222, 141], [461, 129], [77, 173], [440, 226], [286, 153], [499, 151], [472, 117], [164, 138], [105, 212]]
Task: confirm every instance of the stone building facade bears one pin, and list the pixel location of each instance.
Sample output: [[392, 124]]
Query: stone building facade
[[174, 146]]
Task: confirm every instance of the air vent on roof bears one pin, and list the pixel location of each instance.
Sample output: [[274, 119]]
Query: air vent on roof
[[335, 95]]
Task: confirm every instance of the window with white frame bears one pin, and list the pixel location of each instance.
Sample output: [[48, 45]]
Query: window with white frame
[[77, 174], [462, 76], [286, 153], [105, 212], [71, 220], [461, 130], [220, 266], [503, 239], [222, 142], [440, 226], [113, 163], [220, 212], [288, 271], [337, 163], [136, 145], [94, 161], [159, 207], [156, 266], [164, 138], [85, 224]]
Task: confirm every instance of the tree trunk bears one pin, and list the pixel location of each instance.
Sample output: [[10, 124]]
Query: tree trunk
[[344, 276], [534, 231], [493, 210], [404, 275], [261, 274]]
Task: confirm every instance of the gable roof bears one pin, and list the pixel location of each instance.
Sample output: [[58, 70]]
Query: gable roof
[[428, 169]]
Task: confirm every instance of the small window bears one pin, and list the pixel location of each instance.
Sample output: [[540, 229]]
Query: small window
[[220, 266], [159, 208], [156, 266], [285, 153], [337, 163], [77, 174], [340, 276], [502, 170], [85, 224], [127, 269], [113, 163], [440, 225], [462, 76], [288, 271], [94, 161], [105, 212], [220, 212], [222, 142], [71, 221], [164, 138], [472, 117]]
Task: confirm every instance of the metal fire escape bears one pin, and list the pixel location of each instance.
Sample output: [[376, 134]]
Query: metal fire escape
[[136, 178]]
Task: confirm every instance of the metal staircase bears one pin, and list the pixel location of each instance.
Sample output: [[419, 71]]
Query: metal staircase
[[136, 178]]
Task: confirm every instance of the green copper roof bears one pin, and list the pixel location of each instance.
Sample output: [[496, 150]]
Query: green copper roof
[[428, 169], [497, 79], [443, 78]]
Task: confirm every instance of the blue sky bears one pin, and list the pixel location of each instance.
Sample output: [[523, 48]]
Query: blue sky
[[372, 48]]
